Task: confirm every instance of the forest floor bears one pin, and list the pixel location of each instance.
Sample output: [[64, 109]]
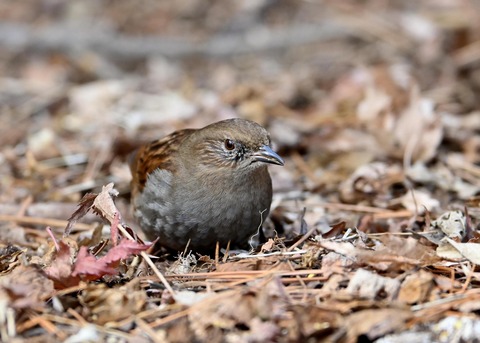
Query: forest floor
[[373, 233]]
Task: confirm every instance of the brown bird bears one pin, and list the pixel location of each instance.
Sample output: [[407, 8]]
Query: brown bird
[[203, 186]]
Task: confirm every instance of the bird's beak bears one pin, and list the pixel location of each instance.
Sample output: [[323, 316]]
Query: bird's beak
[[267, 155]]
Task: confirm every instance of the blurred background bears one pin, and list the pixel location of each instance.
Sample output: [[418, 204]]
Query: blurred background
[[357, 95], [373, 104]]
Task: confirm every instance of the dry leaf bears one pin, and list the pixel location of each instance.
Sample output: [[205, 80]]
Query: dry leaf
[[66, 273], [89, 268], [452, 224], [84, 206], [124, 249], [60, 269], [416, 287], [366, 284], [375, 323], [109, 305], [418, 201], [25, 287], [104, 205], [470, 251], [9, 258], [418, 129]]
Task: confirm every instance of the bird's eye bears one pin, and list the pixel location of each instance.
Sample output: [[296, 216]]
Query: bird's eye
[[229, 144]]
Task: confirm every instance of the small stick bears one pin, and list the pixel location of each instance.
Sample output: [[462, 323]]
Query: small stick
[[58, 223], [303, 239], [149, 262]]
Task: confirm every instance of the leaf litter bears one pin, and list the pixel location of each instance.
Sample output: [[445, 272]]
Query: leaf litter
[[373, 233]]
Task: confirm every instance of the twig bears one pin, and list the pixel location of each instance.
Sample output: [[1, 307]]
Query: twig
[[467, 55], [437, 302], [46, 324], [376, 234], [71, 322], [24, 205], [469, 277], [52, 236], [66, 38], [157, 273], [393, 214], [58, 223], [217, 254], [148, 330], [72, 289], [149, 262], [275, 253], [303, 239], [243, 274], [380, 212], [170, 318], [77, 316], [300, 280]]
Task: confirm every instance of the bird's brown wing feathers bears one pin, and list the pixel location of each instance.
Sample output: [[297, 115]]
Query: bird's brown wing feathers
[[156, 154]]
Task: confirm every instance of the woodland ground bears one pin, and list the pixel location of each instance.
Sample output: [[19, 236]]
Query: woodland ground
[[373, 229]]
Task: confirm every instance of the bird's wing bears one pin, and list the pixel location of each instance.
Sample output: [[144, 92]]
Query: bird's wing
[[155, 155]]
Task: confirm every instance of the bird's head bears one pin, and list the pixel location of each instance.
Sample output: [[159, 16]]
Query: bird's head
[[236, 144]]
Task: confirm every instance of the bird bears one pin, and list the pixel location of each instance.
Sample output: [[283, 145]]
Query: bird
[[196, 188]]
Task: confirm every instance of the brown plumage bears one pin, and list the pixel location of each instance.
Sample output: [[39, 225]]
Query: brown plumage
[[155, 155], [203, 186]]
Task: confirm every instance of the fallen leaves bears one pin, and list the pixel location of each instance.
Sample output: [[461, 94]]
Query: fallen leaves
[[9, 258], [26, 287], [368, 285], [377, 116], [109, 305], [67, 270], [376, 323], [416, 288], [470, 251], [260, 314], [69, 267], [389, 254]]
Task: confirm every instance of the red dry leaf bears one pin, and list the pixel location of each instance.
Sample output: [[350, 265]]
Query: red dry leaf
[[60, 271], [84, 206], [124, 249], [335, 229], [89, 268]]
